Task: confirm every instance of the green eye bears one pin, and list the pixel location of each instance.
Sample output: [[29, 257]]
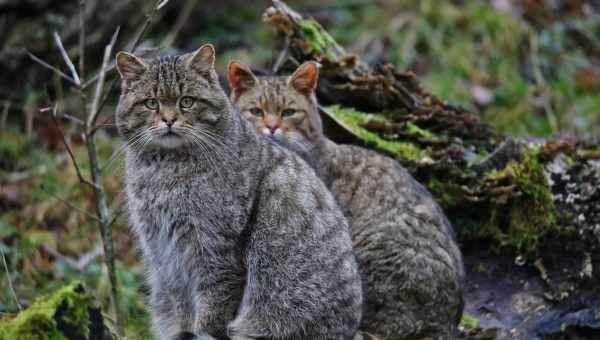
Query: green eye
[[256, 111], [152, 104], [186, 102], [288, 112]]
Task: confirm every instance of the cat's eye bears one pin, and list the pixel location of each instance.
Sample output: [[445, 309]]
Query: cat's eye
[[256, 111], [151, 103], [187, 102], [288, 112]]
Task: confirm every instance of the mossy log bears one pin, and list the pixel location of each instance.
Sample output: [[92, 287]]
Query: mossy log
[[68, 313], [512, 201], [513, 192]]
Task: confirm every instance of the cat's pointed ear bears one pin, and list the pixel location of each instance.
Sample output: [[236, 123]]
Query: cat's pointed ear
[[203, 59], [304, 79], [240, 77], [129, 66]]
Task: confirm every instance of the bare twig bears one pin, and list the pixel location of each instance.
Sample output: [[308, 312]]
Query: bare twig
[[134, 44], [67, 203], [100, 84], [52, 68], [92, 80], [10, 284], [282, 55], [64, 115], [161, 4], [79, 264], [69, 149], [82, 38], [67, 59], [184, 16]]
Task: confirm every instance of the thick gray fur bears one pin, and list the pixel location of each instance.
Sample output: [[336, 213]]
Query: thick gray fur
[[410, 263], [241, 238]]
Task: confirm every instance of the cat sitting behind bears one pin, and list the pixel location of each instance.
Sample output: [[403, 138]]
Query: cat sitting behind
[[410, 263]]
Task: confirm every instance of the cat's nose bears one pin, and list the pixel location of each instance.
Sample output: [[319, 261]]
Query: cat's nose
[[169, 120], [273, 128]]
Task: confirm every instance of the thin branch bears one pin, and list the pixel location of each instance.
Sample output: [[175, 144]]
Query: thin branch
[[64, 115], [10, 284], [69, 204], [161, 4], [66, 58], [79, 264], [82, 38], [282, 55], [52, 68], [100, 84], [92, 80], [134, 44], [184, 15], [69, 149]]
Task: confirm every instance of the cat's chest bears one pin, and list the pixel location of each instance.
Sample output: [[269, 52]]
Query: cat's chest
[[175, 204]]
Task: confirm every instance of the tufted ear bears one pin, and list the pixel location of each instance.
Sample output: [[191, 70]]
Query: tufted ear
[[203, 59], [129, 66], [241, 78], [304, 79]]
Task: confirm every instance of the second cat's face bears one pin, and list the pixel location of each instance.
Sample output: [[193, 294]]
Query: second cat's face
[[283, 109]]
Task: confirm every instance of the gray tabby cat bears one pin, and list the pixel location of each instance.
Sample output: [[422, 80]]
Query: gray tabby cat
[[411, 266], [242, 240]]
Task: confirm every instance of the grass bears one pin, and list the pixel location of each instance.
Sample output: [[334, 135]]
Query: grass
[[534, 75]]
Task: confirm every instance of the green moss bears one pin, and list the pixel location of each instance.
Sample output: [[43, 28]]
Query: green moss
[[445, 193], [417, 131], [353, 120], [532, 215], [320, 41], [68, 307], [468, 321]]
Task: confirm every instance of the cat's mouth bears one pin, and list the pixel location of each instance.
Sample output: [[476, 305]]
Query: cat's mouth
[[169, 139]]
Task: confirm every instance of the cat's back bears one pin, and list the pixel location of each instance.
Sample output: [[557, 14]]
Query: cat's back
[[364, 178], [383, 202]]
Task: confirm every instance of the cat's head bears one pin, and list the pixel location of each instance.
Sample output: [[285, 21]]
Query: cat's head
[[282, 108], [170, 102]]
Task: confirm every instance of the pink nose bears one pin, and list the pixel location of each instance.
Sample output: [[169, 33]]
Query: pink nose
[[272, 127]]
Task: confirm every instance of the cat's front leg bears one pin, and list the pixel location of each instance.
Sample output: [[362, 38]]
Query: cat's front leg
[[169, 321], [214, 308]]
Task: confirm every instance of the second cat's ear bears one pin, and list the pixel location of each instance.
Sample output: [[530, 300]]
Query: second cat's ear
[[304, 79], [129, 66], [203, 59], [240, 77]]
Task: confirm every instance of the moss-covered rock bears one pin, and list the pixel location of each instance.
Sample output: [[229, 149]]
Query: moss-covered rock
[[68, 313], [532, 214]]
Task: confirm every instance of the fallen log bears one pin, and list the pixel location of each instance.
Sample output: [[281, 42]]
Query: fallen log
[[493, 187], [533, 200]]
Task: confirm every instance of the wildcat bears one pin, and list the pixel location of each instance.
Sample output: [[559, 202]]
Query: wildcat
[[241, 238], [410, 263]]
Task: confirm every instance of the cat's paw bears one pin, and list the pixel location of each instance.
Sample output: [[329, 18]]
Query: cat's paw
[[241, 337], [185, 336], [192, 336]]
